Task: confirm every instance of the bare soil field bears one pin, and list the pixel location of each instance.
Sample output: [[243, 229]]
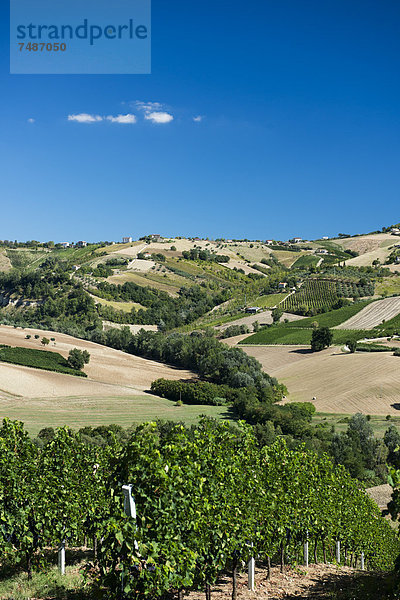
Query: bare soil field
[[367, 243], [232, 264], [133, 328], [140, 279], [341, 382], [118, 373], [139, 264], [373, 314], [370, 248]]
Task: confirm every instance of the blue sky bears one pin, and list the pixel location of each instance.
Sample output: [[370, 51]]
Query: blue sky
[[299, 128]]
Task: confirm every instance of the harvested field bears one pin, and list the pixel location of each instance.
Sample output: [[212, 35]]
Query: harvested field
[[139, 264], [367, 243], [130, 374], [236, 264], [370, 248], [133, 328], [131, 250], [341, 382], [373, 314], [381, 494], [165, 285]]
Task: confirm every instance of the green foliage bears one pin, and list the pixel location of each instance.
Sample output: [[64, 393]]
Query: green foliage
[[352, 345], [233, 330], [276, 314], [39, 359], [203, 495], [306, 261], [313, 297], [321, 338], [77, 359], [204, 255], [200, 392]]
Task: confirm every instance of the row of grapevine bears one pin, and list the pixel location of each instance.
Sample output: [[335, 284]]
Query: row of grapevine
[[314, 296], [207, 498]]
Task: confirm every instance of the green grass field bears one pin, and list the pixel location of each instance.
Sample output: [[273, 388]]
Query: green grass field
[[331, 318], [270, 300], [299, 332], [379, 424], [306, 261], [39, 359], [124, 306], [37, 413]]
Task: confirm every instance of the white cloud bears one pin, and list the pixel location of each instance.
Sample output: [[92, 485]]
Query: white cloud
[[159, 117], [85, 118], [198, 119], [31, 120], [148, 107], [122, 119]]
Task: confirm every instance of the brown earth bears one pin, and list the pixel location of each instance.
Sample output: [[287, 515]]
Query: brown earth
[[340, 382], [109, 371], [317, 582]]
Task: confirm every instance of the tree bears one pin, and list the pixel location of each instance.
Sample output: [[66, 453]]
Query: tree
[[321, 338], [352, 345], [78, 358], [276, 314], [45, 341]]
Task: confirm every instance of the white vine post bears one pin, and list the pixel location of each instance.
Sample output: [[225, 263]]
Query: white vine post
[[61, 558], [251, 570], [362, 561], [338, 551], [130, 510], [306, 550], [129, 502]]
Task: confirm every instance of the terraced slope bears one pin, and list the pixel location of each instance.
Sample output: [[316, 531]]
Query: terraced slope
[[373, 314]]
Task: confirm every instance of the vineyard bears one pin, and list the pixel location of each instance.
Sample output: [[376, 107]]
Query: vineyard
[[314, 296], [320, 295], [206, 499]]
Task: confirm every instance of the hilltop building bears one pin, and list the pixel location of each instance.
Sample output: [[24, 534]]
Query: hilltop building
[[81, 244], [127, 240]]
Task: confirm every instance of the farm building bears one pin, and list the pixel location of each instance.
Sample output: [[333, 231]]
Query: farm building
[[321, 251], [282, 285], [325, 237], [252, 310], [155, 237], [81, 244], [395, 231], [296, 240], [127, 240], [64, 244], [269, 242]]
